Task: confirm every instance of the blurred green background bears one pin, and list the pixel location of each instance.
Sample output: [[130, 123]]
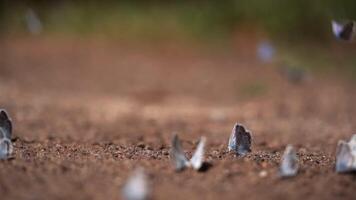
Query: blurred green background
[[197, 19], [297, 27]]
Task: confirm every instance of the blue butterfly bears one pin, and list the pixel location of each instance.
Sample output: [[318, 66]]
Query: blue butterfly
[[346, 156], [240, 140], [343, 31], [289, 164], [5, 135]]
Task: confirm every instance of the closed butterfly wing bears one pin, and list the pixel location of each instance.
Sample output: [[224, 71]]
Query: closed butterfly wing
[[352, 144], [289, 164], [177, 154], [344, 157], [5, 148], [336, 28], [347, 32], [198, 158], [240, 140], [5, 125], [232, 140]]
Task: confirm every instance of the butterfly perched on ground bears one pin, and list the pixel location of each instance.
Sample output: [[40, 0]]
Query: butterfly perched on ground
[[179, 159], [5, 124], [5, 135], [343, 31], [240, 140], [346, 156], [289, 164]]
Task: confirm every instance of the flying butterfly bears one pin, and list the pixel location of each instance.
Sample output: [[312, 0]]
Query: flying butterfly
[[343, 31]]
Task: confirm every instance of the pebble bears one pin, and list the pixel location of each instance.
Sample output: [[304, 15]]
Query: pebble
[[263, 174]]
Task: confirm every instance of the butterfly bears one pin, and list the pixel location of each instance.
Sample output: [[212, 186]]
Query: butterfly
[[179, 159], [344, 31], [346, 156], [289, 164], [5, 135], [5, 124], [240, 140]]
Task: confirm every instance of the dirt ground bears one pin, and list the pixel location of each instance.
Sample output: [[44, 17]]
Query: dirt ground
[[87, 113]]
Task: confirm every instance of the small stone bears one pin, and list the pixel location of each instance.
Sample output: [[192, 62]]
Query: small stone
[[136, 187], [263, 174], [141, 145]]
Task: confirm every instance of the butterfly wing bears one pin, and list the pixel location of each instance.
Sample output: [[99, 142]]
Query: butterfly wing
[[5, 124], [177, 154], [243, 141], [240, 140], [197, 160], [336, 28], [343, 31], [232, 140], [352, 145], [289, 165], [347, 31], [5, 148], [344, 157]]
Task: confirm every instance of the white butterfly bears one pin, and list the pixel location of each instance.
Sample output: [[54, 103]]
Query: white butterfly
[[240, 140], [136, 187], [289, 163], [179, 159], [346, 156]]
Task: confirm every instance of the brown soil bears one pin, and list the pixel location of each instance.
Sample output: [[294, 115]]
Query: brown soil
[[86, 113]]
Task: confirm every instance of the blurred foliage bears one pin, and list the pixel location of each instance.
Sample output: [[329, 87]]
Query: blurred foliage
[[159, 19], [299, 27]]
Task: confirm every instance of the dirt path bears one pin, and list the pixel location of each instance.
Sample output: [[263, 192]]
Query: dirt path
[[87, 113]]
